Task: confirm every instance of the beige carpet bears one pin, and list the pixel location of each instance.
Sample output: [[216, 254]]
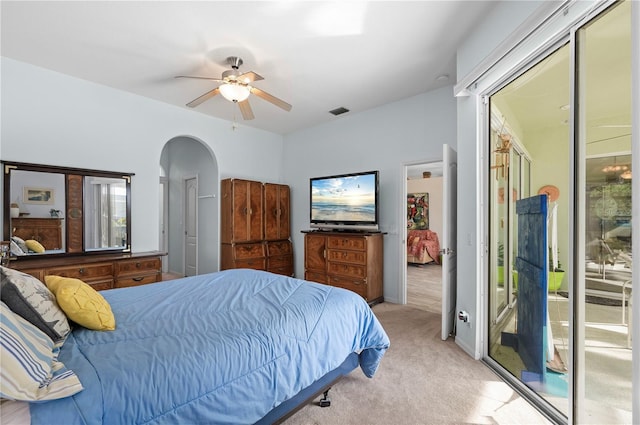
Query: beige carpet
[[421, 380]]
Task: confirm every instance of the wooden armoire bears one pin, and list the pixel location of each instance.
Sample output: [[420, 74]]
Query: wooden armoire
[[255, 226]]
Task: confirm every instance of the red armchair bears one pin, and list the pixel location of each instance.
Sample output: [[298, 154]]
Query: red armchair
[[423, 247]]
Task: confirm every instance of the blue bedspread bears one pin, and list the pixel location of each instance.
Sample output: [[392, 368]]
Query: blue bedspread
[[220, 348]]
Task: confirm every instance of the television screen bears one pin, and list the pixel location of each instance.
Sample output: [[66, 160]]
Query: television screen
[[348, 199]]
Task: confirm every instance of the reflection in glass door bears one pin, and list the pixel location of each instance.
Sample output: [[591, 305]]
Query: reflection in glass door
[[604, 143], [531, 113]]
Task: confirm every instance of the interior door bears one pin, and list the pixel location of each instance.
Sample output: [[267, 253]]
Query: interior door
[[164, 222], [448, 239], [191, 226]]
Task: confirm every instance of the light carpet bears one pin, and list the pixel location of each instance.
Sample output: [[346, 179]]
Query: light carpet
[[421, 380]]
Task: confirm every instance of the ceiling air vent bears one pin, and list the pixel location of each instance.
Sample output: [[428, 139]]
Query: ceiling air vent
[[339, 111]]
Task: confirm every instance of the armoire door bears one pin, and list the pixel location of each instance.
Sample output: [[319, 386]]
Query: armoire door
[[243, 201], [276, 211]]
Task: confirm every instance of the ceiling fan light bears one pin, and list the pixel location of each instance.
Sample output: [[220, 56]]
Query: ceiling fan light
[[234, 92]]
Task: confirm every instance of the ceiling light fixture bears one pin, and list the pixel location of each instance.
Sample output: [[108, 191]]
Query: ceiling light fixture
[[626, 175], [235, 92], [615, 168]]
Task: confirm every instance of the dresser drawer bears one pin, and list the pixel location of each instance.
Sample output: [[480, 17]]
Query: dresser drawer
[[123, 282], [37, 273], [357, 286], [245, 251], [101, 284], [353, 257], [347, 270], [315, 277], [281, 264], [283, 270], [359, 244], [139, 266], [280, 261], [84, 272], [279, 248], [252, 263]]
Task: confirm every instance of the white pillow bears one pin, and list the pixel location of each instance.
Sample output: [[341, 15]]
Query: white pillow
[[15, 248], [22, 244], [29, 370]]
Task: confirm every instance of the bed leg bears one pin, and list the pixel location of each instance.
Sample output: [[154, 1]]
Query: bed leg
[[325, 401]]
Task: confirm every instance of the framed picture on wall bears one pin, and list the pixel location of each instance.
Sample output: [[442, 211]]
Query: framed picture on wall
[[417, 211], [38, 195]]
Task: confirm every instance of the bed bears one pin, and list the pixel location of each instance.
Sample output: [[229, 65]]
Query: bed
[[238, 346]]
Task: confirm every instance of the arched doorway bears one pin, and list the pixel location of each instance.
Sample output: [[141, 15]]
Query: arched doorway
[[183, 159]]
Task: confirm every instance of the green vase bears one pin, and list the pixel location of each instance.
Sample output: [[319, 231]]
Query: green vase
[[554, 282]]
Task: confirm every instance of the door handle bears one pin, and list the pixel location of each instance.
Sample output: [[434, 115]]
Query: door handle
[[445, 251]]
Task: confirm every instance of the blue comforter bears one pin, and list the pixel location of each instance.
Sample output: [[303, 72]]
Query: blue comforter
[[220, 348]]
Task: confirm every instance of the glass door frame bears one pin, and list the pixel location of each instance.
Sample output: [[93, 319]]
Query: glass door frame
[[489, 83]]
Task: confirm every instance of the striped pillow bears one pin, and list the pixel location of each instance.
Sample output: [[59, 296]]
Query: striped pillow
[[30, 371], [30, 299]]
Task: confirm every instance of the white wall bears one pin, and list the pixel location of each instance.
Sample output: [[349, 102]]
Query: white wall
[[50, 118], [381, 139], [501, 21], [487, 36]]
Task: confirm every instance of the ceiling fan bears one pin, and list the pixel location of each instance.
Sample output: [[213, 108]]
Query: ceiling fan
[[237, 87]]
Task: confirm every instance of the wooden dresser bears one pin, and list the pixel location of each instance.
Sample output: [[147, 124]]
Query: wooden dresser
[[101, 271], [255, 227], [347, 260], [47, 231]]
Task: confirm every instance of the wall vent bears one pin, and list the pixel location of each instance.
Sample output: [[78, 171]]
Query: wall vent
[[339, 111]]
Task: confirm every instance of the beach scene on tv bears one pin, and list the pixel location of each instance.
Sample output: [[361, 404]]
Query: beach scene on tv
[[349, 198]]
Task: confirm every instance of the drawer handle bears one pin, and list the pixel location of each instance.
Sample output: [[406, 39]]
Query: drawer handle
[[138, 265], [81, 271], [137, 279]]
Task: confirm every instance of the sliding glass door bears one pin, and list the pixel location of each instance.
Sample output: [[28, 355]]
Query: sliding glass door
[[560, 140], [604, 270], [533, 132]]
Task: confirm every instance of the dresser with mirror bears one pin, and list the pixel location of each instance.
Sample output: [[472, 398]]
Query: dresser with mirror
[[73, 222]]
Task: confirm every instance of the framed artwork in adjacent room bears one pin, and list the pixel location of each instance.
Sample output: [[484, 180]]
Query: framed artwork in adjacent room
[[417, 211]]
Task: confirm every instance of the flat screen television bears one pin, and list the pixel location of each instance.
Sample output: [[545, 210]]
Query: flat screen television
[[345, 201]]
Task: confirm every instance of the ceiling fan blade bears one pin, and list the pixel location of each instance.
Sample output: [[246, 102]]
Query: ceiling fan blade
[[199, 78], [245, 109], [250, 76], [206, 96], [270, 98]]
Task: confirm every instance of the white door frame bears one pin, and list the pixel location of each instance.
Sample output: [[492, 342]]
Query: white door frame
[[164, 223], [402, 219], [184, 222], [449, 243]]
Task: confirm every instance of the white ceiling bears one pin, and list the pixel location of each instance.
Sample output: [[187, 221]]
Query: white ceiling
[[317, 55]]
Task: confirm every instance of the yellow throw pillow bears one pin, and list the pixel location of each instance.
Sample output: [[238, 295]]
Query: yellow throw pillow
[[81, 303], [34, 246]]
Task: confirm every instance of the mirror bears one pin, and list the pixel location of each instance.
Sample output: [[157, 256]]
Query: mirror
[[105, 213], [65, 210]]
